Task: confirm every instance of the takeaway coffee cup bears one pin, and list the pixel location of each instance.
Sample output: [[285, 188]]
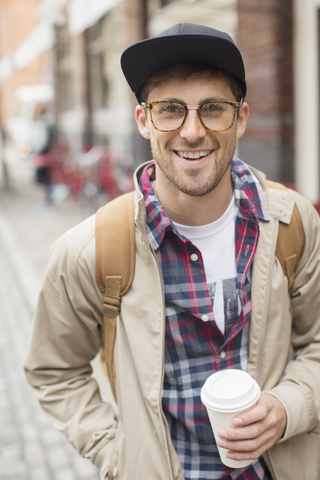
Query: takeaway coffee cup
[[226, 394]]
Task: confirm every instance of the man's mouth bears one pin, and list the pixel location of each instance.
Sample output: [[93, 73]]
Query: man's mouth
[[189, 155]]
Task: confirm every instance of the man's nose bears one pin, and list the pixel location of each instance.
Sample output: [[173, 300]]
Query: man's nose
[[192, 129]]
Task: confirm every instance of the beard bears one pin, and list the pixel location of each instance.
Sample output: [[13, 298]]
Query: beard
[[195, 182]]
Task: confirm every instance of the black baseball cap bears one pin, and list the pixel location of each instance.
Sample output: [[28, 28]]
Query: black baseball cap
[[182, 43]]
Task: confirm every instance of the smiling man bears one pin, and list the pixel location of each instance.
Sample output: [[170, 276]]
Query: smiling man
[[193, 161], [208, 293]]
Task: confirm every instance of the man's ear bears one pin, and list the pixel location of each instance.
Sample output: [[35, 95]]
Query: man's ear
[[242, 120], [142, 122]]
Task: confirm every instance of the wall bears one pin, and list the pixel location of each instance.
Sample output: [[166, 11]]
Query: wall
[[306, 95], [17, 20], [265, 40]]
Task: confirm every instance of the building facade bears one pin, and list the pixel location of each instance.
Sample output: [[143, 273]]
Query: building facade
[[265, 34], [93, 106]]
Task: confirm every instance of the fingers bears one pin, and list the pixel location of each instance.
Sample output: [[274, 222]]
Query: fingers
[[254, 442], [255, 414], [255, 431]]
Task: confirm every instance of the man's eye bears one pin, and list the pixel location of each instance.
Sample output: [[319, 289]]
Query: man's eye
[[171, 108], [212, 107]]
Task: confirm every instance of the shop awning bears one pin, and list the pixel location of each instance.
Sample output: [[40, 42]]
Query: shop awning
[[48, 7], [85, 13], [41, 39]]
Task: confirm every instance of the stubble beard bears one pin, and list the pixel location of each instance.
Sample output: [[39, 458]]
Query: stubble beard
[[196, 184]]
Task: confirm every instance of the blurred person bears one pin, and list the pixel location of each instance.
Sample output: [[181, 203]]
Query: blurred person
[[41, 144], [206, 230]]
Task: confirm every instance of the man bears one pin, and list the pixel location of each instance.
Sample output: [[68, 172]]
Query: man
[[208, 292]]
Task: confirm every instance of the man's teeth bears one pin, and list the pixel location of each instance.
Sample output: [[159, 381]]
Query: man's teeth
[[193, 155]]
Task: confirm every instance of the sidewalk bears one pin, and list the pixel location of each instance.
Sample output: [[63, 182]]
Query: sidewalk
[[30, 448], [30, 221]]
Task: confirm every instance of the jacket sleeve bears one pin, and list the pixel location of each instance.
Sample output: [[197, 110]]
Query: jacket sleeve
[[299, 389], [66, 336]]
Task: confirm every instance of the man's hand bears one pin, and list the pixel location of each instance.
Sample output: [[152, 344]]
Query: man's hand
[[255, 430]]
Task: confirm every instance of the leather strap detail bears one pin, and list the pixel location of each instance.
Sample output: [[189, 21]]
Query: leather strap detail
[[115, 264], [115, 241]]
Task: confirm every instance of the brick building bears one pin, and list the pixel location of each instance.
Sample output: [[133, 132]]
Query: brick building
[[22, 37], [265, 40], [278, 39]]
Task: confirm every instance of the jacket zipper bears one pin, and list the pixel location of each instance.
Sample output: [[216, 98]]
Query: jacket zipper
[[165, 425], [264, 324], [265, 311]]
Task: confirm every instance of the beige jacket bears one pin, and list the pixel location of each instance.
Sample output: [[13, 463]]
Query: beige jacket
[[284, 354]]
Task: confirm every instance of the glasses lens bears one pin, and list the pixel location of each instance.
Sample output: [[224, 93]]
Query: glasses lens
[[167, 116], [217, 116]]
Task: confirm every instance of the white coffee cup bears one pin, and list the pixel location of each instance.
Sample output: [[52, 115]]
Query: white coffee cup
[[226, 394]]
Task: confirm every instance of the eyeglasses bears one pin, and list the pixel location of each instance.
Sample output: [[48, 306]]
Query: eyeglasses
[[215, 116]]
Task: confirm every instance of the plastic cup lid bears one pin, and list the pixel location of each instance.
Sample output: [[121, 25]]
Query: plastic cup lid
[[230, 390]]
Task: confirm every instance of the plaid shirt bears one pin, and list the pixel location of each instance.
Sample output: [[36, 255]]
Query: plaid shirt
[[194, 349]]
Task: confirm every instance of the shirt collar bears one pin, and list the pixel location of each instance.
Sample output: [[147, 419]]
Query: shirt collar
[[249, 196], [158, 221], [249, 199]]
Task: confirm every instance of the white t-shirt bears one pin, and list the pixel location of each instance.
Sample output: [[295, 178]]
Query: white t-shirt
[[216, 242]]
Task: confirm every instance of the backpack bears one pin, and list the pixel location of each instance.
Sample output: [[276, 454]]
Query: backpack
[[115, 261]]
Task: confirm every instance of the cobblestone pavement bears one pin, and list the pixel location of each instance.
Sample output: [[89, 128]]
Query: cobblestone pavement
[[30, 448]]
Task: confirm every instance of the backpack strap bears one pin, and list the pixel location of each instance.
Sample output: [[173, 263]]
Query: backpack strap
[[291, 240], [115, 264]]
